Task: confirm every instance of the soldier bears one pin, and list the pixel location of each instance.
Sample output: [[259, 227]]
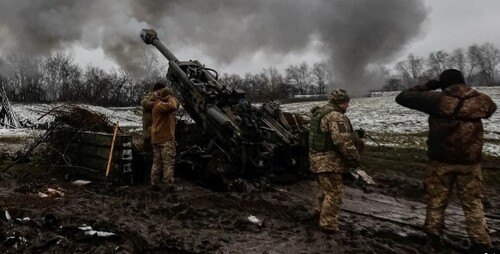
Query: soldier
[[147, 106], [455, 142], [163, 137], [331, 150]]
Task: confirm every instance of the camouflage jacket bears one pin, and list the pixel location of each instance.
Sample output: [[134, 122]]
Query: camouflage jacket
[[343, 137], [147, 104], [163, 127], [455, 125]]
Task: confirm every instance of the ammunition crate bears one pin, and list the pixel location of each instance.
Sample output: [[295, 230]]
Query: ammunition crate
[[91, 153]]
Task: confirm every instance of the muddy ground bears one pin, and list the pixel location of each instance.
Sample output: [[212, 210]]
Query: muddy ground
[[193, 219]]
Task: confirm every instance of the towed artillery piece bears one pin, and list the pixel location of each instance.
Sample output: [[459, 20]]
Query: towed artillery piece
[[239, 141]]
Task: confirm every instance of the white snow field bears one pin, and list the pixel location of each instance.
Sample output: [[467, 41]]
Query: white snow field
[[383, 119]]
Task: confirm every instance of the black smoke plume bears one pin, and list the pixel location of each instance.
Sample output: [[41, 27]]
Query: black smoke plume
[[356, 34]]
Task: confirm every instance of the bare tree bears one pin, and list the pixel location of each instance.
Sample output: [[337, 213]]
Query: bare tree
[[274, 79], [320, 76], [152, 67], [233, 80], [486, 57], [392, 83], [437, 62], [410, 70], [256, 86], [459, 60], [96, 85], [121, 91], [26, 78], [299, 76], [59, 73], [71, 83]]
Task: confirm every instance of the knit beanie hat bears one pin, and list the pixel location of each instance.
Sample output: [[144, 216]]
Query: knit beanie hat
[[451, 77]]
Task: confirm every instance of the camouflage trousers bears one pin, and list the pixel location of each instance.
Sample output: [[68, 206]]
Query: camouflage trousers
[[147, 147], [163, 163], [438, 183], [330, 199]]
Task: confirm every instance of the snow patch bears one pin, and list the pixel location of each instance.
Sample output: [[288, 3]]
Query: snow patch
[[381, 117]]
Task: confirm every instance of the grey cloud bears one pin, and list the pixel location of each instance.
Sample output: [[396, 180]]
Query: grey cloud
[[355, 33]]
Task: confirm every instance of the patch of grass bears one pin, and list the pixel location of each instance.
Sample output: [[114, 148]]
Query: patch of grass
[[400, 161], [14, 139], [22, 169], [411, 162], [422, 134], [396, 153], [491, 177], [405, 140], [492, 141], [491, 170]]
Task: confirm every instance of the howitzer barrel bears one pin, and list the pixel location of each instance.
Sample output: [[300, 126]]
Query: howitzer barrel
[[149, 36], [254, 141]]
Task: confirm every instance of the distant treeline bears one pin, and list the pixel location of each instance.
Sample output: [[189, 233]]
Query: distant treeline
[[57, 78], [478, 64]]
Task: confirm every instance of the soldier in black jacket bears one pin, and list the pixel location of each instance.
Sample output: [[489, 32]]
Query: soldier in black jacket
[[455, 143]]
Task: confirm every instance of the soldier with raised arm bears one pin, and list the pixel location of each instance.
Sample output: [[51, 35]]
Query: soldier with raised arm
[[455, 142], [147, 103], [163, 138]]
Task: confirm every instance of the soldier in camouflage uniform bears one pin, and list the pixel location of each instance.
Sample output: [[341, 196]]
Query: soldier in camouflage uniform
[[455, 142], [147, 103], [163, 137], [331, 150]]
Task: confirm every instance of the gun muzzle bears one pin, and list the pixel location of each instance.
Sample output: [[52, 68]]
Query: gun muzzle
[[148, 35]]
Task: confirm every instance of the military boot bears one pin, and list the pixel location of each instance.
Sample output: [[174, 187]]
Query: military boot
[[329, 230], [435, 242], [480, 248]]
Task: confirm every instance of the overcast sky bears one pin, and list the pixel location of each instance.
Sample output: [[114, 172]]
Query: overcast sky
[[450, 24], [457, 24], [239, 36]]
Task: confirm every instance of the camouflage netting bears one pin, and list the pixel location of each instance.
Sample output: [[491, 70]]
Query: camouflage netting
[[8, 118], [81, 119], [69, 122]]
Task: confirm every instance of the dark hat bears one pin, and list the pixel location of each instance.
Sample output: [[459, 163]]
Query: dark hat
[[339, 96], [451, 77], [164, 92], [158, 85]]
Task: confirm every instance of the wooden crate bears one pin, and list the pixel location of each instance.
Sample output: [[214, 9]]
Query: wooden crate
[[91, 153]]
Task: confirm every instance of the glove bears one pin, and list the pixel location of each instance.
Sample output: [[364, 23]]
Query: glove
[[361, 132], [433, 84], [360, 145], [165, 99]]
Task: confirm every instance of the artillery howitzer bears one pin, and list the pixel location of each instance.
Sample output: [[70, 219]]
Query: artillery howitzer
[[241, 141]]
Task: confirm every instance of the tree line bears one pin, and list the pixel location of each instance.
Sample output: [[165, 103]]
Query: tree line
[[57, 78], [478, 64]]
